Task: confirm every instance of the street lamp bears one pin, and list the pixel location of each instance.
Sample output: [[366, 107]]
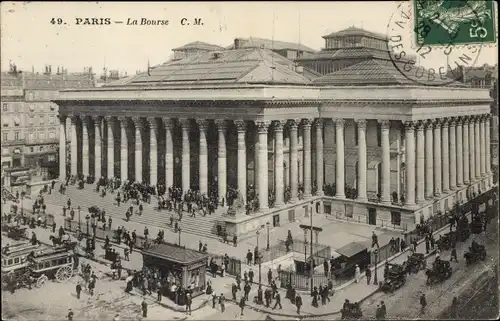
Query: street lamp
[[258, 258], [267, 225], [22, 207], [79, 219], [375, 279], [179, 230], [87, 218]]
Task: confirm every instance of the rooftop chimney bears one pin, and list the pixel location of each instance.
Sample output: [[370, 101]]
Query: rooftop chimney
[[236, 43]]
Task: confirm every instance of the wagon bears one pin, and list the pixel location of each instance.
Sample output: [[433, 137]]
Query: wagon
[[475, 254], [416, 262], [441, 270], [16, 232], [395, 278], [36, 264]]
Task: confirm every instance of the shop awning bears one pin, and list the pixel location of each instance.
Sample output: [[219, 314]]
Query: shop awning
[[351, 249]]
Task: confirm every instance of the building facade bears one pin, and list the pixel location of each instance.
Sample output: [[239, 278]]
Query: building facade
[[30, 129], [371, 153]]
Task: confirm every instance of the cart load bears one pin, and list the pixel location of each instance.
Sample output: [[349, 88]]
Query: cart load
[[395, 278], [441, 270], [416, 262]]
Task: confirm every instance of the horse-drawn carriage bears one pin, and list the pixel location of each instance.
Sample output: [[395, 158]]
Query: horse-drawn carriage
[[65, 240], [477, 224], [476, 252], [441, 270], [395, 278], [416, 262], [447, 241], [351, 311], [26, 264], [15, 231]]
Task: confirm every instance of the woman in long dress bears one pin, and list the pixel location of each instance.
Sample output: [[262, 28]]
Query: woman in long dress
[[357, 273]]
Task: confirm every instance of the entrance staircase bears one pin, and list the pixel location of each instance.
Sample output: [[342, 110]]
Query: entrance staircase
[[87, 197]]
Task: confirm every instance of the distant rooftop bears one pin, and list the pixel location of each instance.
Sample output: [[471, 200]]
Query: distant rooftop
[[199, 45], [354, 31], [30, 80], [241, 66], [253, 42]]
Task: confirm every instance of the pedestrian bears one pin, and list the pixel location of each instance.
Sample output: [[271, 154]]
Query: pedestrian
[[222, 303], [427, 244], [249, 257], [392, 242], [159, 294], [269, 276], [383, 309], [110, 221], [278, 301], [242, 304], [357, 273], [234, 289], [298, 302], [251, 275], [78, 289], [454, 308], [454, 254], [189, 301], [144, 306], [368, 275], [238, 282], [246, 290], [70, 315], [200, 246], [214, 299], [126, 254], [91, 286], [374, 239], [423, 303], [235, 242]]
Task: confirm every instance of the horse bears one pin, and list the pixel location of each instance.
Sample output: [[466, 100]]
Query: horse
[[55, 240]]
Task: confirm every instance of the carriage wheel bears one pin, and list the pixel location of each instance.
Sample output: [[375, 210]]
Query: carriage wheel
[[41, 281], [64, 273]]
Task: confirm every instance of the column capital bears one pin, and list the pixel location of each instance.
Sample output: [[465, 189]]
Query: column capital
[[307, 122], [62, 118], [384, 123], [109, 118], [262, 126], [318, 122], [465, 120], [123, 119], [453, 121], [185, 123], [339, 122], [241, 125], [202, 124], [436, 123], [293, 123], [85, 120], [361, 123], [152, 122], [429, 124], [137, 121], [420, 125], [445, 122], [487, 117], [221, 125], [409, 125], [278, 125], [97, 120], [168, 122]]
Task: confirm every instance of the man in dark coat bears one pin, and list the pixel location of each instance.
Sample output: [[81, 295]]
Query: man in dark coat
[[269, 276], [234, 289], [423, 303], [78, 290], [242, 304], [298, 303], [278, 301], [251, 275], [368, 275], [144, 306]]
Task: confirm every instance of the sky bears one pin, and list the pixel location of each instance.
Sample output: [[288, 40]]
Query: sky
[[29, 39]]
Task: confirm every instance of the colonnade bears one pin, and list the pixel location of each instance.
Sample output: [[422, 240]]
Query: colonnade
[[441, 155]]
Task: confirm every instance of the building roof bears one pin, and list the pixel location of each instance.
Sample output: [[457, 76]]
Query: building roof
[[354, 31], [199, 45], [30, 80], [351, 249], [351, 53], [175, 253], [239, 66], [253, 42], [375, 72]]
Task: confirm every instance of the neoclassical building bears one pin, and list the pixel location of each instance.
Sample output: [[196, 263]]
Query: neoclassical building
[[249, 117]]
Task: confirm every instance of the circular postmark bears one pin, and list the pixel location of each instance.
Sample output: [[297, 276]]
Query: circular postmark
[[426, 49]]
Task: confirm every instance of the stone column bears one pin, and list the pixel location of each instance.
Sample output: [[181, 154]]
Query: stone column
[[306, 125], [203, 156], [256, 166], [385, 126], [319, 157], [466, 150], [482, 132], [85, 146], [437, 158], [186, 156], [445, 147], [294, 170], [477, 147], [222, 159], [153, 151], [453, 154], [262, 128], [111, 148], [361, 124], [242, 158], [459, 152], [420, 163], [74, 146], [123, 121], [472, 150], [340, 168], [429, 169], [169, 152], [62, 148], [410, 163], [138, 149], [97, 146], [278, 162], [488, 146]]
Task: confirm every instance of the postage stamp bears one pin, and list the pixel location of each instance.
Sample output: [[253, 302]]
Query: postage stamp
[[464, 21]]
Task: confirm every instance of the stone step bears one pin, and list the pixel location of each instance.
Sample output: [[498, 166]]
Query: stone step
[[202, 226]]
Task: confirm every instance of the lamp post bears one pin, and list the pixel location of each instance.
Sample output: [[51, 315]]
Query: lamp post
[[267, 225], [375, 279], [258, 257], [87, 218], [22, 207], [179, 230], [311, 228], [79, 219]]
